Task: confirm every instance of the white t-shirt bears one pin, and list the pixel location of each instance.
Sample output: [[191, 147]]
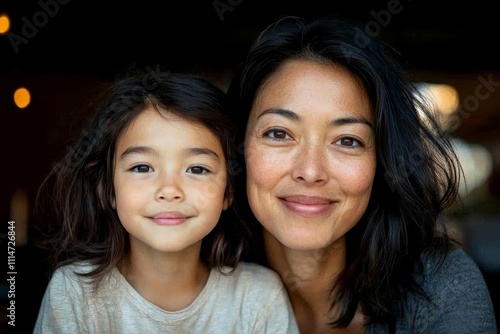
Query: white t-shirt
[[250, 300]]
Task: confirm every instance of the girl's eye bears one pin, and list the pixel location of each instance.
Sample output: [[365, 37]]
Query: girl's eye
[[277, 134], [197, 170], [349, 142], [142, 169]]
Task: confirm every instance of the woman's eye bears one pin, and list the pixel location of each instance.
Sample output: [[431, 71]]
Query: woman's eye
[[142, 169], [277, 134], [348, 141], [197, 170]]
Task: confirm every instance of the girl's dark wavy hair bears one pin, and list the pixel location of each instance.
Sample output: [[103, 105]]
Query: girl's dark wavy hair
[[417, 170], [80, 187]]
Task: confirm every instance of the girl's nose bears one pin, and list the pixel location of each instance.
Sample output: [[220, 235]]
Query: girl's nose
[[170, 188]]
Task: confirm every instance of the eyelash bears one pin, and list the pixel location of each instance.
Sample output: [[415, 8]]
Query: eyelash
[[135, 169], [205, 170], [268, 134], [356, 142]]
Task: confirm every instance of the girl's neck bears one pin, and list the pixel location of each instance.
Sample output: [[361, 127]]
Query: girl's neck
[[170, 281], [309, 276]]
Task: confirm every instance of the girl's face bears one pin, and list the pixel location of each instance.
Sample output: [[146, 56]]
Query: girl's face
[[169, 182], [310, 154]]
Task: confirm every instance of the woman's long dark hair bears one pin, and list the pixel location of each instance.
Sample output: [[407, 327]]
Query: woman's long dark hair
[[80, 187], [417, 171]]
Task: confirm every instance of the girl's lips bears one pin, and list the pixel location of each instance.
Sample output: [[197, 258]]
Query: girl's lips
[[307, 206], [169, 218], [169, 221]]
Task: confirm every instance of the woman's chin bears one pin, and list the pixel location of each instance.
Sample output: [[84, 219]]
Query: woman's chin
[[301, 242]]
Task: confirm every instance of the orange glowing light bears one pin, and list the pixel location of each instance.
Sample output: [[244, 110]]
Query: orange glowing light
[[22, 97], [4, 24]]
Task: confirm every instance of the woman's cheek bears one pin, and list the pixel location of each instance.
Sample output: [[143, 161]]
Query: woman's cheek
[[360, 176], [263, 164]]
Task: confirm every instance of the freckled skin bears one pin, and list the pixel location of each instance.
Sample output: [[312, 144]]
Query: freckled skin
[[310, 151]]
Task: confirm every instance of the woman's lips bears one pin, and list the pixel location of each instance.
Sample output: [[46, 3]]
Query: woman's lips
[[169, 218], [308, 206]]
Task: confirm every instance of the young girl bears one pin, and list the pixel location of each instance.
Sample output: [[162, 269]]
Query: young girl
[[146, 244]]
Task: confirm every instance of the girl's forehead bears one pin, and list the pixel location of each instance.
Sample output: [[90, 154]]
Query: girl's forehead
[[167, 131]]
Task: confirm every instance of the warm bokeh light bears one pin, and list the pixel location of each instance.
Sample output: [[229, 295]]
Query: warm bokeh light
[[4, 23], [443, 97], [477, 165], [22, 97]]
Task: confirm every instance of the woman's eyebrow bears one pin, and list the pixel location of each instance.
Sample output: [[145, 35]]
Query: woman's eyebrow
[[351, 120], [282, 112], [339, 121]]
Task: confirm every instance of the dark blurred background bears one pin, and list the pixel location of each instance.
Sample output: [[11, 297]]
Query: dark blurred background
[[65, 52]]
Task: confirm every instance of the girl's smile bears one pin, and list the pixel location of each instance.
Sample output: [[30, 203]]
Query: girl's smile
[[169, 181], [170, 218]]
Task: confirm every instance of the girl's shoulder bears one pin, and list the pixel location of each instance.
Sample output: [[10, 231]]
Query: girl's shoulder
[[71, 279], [73, 270], [250, 273], [80, 266], [256, 272]]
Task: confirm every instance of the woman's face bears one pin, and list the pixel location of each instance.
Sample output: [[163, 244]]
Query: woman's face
[[310, 154]]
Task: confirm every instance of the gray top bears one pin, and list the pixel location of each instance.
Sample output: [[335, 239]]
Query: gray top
[[250, 300], [461, 300]]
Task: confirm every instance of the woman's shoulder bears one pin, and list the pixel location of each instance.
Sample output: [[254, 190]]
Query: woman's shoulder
[[455, 266], [452, 275], [458, 295]]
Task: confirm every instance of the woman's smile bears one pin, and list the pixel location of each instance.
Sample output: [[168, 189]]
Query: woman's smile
[[307, 206], [310, 154]]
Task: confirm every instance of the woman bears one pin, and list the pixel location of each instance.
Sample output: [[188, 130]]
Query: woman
[[348, 175]]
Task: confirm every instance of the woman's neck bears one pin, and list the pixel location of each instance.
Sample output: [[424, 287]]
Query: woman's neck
[[309, 276]]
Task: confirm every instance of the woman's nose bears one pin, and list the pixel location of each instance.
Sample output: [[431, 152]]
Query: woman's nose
[[310, 164]]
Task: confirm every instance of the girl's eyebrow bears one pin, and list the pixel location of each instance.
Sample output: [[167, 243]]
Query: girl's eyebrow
[[202, 151], [149, 150], [339, 121], [137, 150]]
